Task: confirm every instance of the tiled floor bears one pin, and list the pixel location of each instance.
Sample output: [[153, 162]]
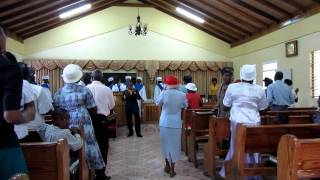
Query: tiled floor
[[140, 158]]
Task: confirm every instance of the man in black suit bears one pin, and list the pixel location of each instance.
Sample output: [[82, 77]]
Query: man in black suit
[[131, 107]]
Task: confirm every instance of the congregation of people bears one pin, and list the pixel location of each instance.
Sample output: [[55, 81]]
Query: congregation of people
[[85, 102]]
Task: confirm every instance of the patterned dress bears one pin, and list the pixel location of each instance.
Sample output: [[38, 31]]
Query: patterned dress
[[76, 100]]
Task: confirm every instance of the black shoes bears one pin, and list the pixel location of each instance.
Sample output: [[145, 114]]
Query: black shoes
[[130, 134], [139, 135]]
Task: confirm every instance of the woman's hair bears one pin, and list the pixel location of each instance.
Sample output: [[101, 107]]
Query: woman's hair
[[189, 91], [187, 79], [226, 70], [214, 79]]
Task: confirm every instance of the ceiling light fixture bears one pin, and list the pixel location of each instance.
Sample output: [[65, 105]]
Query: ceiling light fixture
[[189, 15], [75, 11]]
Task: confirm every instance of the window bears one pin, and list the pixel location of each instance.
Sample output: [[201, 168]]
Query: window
[[315, 74], [269, 70]]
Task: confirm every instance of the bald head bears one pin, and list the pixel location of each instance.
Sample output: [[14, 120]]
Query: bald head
[[2, 41], [97, 75]]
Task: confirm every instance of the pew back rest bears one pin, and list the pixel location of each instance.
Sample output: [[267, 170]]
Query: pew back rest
[[219, 127], [200, 120], [47, 160], [293, 112], [298, 158], [187, 115], [265, 138]]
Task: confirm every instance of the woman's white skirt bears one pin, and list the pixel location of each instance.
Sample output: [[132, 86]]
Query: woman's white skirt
[[170, 142]]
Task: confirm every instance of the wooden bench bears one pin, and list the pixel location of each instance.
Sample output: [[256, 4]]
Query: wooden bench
[[262, 139], [219, 130], [198, 134], [298, 158], [47, 160], [186, 118], [293, 119]]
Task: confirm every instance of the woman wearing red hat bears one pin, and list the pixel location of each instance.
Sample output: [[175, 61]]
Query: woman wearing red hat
[[172, 101]]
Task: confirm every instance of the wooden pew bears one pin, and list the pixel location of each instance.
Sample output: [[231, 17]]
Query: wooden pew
[[186, 118], [262, 139], [293, 119], [49, 161], [198, 134], [293, 112], [298, 158], [219, 130], [302, 108]]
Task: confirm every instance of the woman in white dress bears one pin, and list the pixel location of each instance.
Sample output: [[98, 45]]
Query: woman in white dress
[[172, 101], [245, 100]]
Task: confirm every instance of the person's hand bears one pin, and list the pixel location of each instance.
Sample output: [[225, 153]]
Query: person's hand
[[296, 90]]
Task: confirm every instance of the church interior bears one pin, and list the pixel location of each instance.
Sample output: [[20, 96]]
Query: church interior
[[156, 43]]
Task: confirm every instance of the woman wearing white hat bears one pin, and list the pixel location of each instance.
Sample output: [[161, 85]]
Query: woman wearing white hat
[[245, 100], [194, 98], [78, 101]]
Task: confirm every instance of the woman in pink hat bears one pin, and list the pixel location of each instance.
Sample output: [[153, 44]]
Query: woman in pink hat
[[172, 101]]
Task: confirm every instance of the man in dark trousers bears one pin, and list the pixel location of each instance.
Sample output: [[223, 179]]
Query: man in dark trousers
[[131, 96]]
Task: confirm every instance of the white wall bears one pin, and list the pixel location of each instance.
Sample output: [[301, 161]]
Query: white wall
[[118, 45], [300, 64]]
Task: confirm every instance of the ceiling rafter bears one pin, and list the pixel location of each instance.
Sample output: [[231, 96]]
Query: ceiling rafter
[[22, 7], [219, 21], [165, 9], [41, 18], [7, 3], [58, 22], [268, 8], [251, 20], [212, 22], [30, 15]]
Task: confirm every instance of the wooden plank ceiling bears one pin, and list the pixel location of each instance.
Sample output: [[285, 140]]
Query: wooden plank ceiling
[[233, 21]]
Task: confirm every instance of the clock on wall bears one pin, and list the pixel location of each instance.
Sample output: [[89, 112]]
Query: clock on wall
[[292, 48]]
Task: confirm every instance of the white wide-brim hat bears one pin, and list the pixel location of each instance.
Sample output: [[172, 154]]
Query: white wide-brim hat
[[72, 73], [248, 72], [140, 78], [110, 79], [127, 77], [159, 78], [191, 87]]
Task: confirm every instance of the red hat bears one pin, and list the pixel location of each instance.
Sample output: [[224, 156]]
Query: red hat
[[171, 81]]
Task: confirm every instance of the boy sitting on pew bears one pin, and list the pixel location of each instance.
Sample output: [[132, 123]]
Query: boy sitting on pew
[[59, 130]]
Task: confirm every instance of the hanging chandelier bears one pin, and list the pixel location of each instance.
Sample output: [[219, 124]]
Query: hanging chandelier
[[140, 29]]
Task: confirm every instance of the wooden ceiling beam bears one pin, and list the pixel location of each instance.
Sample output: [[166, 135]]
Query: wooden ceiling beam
[[268, 8], [23, 6], [7, 3], [43, 18], [219, 4], [172, 13], [29, 15], [42, 27], [252, 10], [286, 5], [219, 21], [210, 21], [12, 35], [222, 15], [312, 10], [124, 4]]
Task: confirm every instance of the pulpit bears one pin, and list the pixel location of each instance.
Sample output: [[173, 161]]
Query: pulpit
[[150, 112], [120, 109]]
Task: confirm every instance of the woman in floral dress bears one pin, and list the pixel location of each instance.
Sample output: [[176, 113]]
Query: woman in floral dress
[[77, 100]]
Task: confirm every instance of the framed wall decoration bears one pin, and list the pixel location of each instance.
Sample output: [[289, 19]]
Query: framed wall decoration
[[292, 48]]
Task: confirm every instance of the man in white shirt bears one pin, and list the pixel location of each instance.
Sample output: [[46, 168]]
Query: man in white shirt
[[105, 102], [158, 88], [142, 91], [245, 100], [40, 97], [119, 86]]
